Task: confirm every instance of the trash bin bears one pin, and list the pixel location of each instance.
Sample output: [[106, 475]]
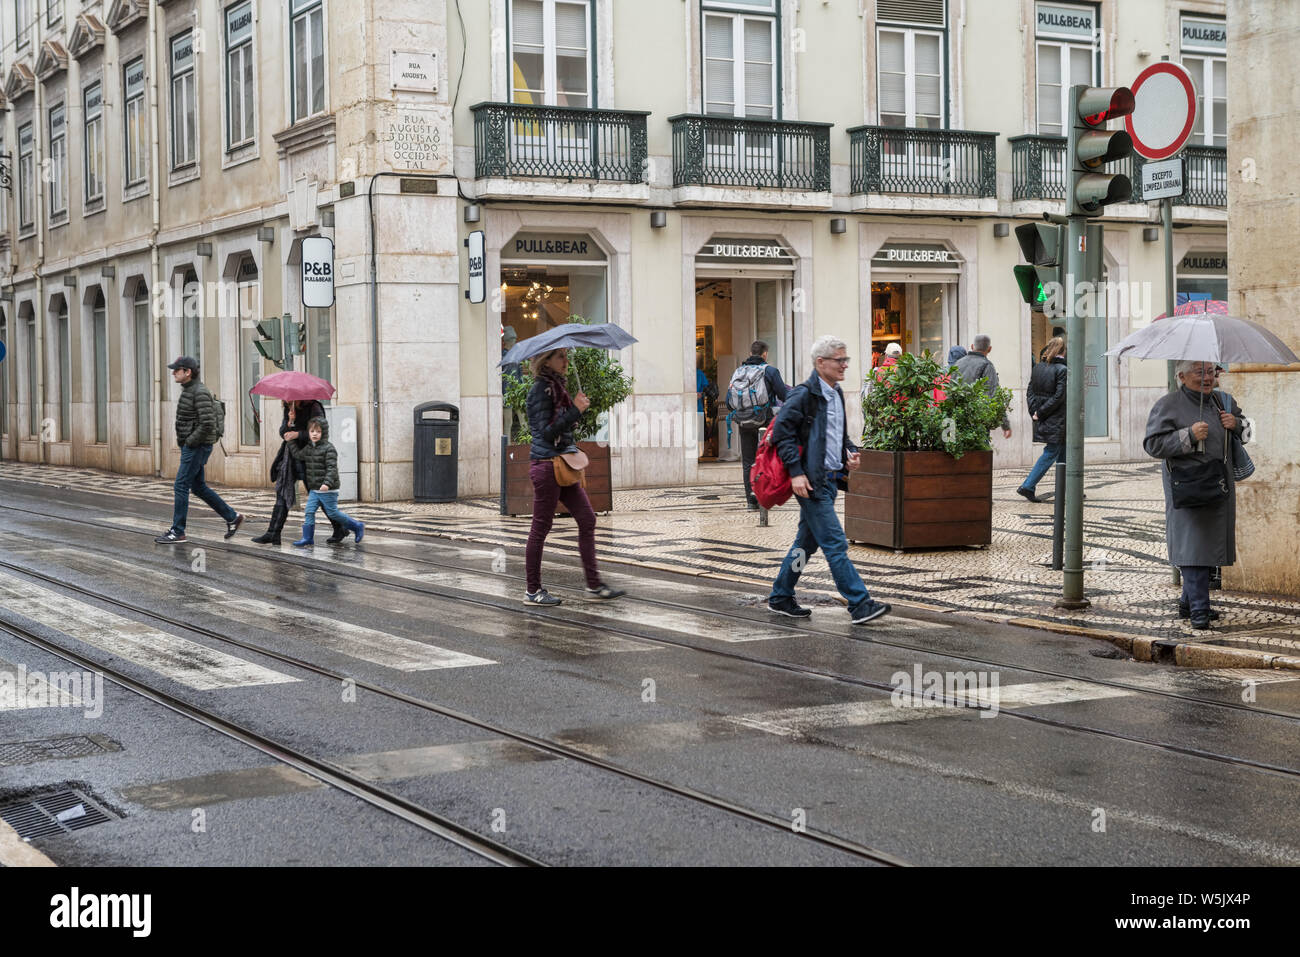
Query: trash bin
[[436, 452]]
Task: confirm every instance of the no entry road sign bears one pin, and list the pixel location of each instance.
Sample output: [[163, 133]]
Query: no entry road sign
[[1164, 110]]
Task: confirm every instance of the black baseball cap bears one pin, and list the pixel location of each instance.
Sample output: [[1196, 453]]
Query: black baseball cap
[[185, 362]]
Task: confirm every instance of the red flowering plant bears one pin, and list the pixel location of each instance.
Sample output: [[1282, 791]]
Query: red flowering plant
[[918, 405]]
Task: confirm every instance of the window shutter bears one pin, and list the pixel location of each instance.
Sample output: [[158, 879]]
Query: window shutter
[[929, 96], [719, 77], [527, 23], [758, 68], [570, 26], [893, 80], [928, 12]]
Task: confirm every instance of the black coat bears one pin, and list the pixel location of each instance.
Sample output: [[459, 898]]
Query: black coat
[[196, 416], [313, 409], [1046, 398], [552, 434]]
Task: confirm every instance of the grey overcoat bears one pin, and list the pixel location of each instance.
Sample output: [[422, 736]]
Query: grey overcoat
[[1205, 535]]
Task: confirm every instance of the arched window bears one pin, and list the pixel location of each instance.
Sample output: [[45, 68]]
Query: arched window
[[99, 333], [143, 363]]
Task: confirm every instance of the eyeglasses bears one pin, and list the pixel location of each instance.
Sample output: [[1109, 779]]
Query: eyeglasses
[[842, 360]]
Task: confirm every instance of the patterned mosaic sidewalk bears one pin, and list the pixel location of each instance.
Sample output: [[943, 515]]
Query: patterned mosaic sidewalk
[[706, 530]]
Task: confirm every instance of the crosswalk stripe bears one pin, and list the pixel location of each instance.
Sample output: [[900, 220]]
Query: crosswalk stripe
[[353, 641], [185, 662]]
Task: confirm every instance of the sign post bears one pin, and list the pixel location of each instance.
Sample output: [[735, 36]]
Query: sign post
[[1164, 113]]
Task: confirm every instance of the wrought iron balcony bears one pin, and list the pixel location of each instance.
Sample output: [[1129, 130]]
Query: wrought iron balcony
[[559, 142], [1038, 171], [893, 159], [754, 154]]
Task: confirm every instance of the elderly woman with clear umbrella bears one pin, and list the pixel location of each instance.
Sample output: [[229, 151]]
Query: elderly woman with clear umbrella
[[1191, 426]]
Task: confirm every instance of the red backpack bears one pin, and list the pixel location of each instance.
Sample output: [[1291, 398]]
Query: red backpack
[[769, 479]]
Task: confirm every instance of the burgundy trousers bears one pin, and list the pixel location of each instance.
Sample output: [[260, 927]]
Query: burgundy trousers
[[546, 493]]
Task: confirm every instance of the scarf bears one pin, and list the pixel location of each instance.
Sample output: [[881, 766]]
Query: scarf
[[558, 390]]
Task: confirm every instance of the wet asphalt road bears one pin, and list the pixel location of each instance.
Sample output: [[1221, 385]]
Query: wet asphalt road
[[1055, 753]]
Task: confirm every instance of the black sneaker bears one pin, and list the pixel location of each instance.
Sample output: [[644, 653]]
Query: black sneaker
[[871, 611], [232, 527], [172, 537], [540, 597], [788, 606], [604, 593], [1185, 612], [1201, 621], [1027, 493]]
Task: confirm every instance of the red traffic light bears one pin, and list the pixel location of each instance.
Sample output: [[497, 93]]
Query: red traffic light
[[1099, 104]]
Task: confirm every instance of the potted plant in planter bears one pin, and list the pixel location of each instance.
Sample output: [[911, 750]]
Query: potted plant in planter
[[926, 478], [607, 384]]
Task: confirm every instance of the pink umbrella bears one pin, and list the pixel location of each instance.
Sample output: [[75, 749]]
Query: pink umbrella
[[291, 386], [1199, 307]]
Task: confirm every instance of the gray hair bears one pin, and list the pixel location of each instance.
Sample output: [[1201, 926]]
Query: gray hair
[[1187, 365], [981, 343], [827, 346]]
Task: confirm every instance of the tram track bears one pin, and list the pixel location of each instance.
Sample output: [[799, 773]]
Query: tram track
[[616, 628]]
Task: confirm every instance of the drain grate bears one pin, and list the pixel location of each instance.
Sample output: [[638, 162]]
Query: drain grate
[[54, 812], [49, 749]]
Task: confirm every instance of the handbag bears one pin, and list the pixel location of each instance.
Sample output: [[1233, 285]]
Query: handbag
[[570, 468], [1196, 484]]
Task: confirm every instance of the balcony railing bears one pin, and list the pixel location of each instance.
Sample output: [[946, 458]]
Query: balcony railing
[[754, 154], [892, 159], [1038, 171], [559, 142]]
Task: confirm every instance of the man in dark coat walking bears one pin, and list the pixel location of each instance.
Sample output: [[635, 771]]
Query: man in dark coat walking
[[197, 431], [975, 365]]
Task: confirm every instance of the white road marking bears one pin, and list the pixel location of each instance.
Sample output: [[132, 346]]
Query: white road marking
[[353, 641], [1208, 679], [186, 662]]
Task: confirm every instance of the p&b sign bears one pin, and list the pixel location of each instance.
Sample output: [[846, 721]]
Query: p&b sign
[[317, 272]]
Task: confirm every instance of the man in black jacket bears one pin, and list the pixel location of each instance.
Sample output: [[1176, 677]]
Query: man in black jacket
[[196, 431], [1046, 400], [812, 437], [749, 428]]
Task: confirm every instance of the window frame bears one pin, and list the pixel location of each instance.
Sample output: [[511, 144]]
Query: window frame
[[140, 320], [304, 10], [245, 47], [100, 375], [1205, 98], [1061, 48], [27, 179], [127, 103], [23, 35], [51, 18], [909, 34], [190, 73], [93, 139], [550, 51], [63, 358], [739, 17], [58, 164], [245, 359]]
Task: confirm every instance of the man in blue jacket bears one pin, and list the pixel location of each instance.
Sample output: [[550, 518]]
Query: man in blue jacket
[[811, 435]]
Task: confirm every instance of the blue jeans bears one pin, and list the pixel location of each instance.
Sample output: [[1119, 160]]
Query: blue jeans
[[1196, 587], [1045, 461], [819, 527], [189, 478], [329, 501]]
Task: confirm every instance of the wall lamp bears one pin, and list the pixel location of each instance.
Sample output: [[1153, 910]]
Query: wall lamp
[[839, 225], [1150, 234], [1001, 229], [107, 272], [203, 249], [658, 218], [266, 234], [472, 213], [70, 281]]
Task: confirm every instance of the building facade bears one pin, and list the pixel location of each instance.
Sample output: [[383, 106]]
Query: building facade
[[701, 172]]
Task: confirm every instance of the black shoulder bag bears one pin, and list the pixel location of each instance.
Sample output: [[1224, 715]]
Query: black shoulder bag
[[1196, 484]]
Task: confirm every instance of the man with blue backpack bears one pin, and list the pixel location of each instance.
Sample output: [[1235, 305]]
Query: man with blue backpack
[[755, 389]]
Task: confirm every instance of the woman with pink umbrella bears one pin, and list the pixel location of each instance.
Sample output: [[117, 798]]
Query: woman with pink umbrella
[[300, 396]]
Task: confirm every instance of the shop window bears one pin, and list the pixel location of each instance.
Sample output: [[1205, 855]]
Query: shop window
[[320, 343], [143, 363], [547, 279], [248, 299], [65, 372], [99, 333]]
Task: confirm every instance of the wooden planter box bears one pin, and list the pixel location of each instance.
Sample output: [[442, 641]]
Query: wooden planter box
[[519, 487], [920, 500]]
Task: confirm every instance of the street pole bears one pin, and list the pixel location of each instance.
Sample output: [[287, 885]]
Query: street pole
[[1167, 219], [1075, 331]]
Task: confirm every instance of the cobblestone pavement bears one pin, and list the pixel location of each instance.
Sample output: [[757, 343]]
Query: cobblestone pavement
[[706, 530]]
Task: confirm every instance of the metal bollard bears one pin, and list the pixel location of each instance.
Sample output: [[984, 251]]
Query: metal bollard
[[762, 517], [1058, 520]]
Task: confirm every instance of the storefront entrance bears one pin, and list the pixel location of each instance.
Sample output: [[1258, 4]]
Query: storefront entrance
[[914, 299]]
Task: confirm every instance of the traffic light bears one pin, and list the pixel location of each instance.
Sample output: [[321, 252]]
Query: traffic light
[[1092, 146], [1041, 282], [269, 340], [295, 338]]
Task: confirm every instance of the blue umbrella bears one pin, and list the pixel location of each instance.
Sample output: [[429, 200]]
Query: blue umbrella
[[573, 335]]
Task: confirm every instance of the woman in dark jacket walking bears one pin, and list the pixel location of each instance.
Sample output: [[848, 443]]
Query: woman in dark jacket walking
[[552, 414], [287, 471], [1046, 399]]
